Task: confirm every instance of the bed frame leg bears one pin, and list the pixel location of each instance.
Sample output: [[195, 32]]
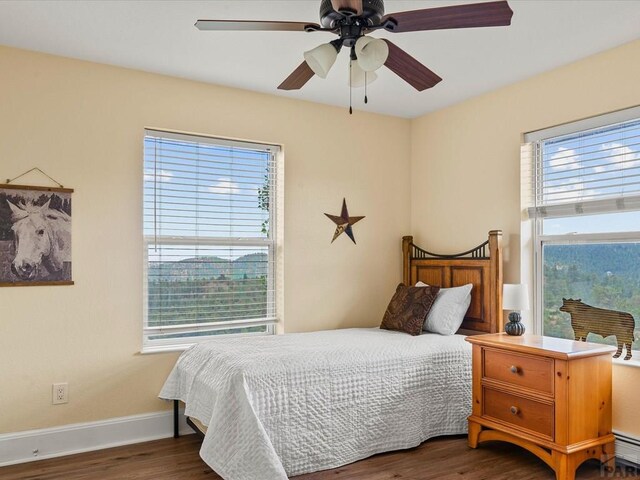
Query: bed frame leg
[[176, 415]]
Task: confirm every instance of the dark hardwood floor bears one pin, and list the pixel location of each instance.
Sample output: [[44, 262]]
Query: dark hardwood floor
[[445, 458]]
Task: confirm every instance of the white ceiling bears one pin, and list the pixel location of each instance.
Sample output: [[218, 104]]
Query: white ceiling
[[159, 36]]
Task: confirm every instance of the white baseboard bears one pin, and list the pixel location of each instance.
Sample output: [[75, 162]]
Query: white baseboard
[[34, 445], [627, 449]]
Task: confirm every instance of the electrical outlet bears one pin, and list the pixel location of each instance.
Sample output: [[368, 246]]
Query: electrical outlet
[[60, 393]]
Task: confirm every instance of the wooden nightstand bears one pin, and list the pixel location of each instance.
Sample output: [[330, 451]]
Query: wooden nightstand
[[548, 395]]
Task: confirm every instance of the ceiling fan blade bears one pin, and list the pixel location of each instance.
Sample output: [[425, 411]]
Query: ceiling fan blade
[[489, 14], [410, 69], [298, 78], [354, 6], [254, 25]]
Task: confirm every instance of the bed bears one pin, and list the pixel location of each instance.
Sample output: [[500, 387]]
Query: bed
[[277, 406]]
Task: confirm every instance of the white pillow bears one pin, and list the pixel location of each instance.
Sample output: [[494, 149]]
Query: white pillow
[[447, 313]]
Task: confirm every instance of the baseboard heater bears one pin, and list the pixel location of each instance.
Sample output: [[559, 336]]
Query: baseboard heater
[[628, 452]]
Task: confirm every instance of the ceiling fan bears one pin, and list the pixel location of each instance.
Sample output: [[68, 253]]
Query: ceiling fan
[[353, 20]]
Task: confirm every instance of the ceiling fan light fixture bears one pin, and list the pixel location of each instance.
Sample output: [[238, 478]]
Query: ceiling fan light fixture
[[321, 59], [358, 75], [372, 53], [353, 20]]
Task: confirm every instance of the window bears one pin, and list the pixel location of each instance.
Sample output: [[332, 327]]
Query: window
[[584, 181], [209, 238]]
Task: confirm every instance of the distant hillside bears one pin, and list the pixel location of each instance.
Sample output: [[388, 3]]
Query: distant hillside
[[253, 265], [619, 259], [602, 275]]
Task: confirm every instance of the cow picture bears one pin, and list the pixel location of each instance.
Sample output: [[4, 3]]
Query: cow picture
[[586, 319]]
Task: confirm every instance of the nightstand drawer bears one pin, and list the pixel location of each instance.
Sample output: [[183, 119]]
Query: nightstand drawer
[[525, 371], [519, 412]]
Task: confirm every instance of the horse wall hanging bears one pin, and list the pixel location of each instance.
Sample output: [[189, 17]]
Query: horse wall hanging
[[35, 236]]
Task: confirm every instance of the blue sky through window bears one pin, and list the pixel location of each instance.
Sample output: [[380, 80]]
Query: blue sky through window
[[598, 164], [201, 190]]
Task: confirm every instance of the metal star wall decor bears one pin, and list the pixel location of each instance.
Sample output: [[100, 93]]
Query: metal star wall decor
[[344, 222]]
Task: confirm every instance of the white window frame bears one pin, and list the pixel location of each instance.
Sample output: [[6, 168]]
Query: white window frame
[[271, 242], [537, 234]]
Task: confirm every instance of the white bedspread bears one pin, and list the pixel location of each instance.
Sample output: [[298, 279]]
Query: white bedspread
[[299, 403]]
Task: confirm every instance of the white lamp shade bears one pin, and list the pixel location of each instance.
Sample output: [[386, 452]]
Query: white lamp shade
[[371, 53], [358, 75], [515, 297], [321, 59]]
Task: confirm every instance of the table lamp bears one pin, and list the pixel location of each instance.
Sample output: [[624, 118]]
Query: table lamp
[[515, 297]]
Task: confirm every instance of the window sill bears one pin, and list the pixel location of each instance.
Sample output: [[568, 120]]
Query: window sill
[[181, 347], [164, 349], [634, 362]]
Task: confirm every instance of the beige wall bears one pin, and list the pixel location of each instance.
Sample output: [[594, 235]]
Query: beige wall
[[466, 167], [83, 124]]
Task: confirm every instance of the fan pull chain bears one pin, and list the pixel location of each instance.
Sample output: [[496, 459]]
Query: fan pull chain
[[366, 100], [350, 91]]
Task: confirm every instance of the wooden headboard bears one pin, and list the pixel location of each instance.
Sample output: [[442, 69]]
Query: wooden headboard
[[481, 266]]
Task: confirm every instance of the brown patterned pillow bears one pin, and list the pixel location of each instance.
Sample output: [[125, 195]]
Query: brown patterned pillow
[[409, 308]]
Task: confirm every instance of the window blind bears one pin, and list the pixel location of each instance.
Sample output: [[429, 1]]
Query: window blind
[[589, 172], [209, 231]]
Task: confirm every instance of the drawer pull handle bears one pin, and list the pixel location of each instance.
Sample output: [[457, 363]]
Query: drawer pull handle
[[515, 410], [514, 369]]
